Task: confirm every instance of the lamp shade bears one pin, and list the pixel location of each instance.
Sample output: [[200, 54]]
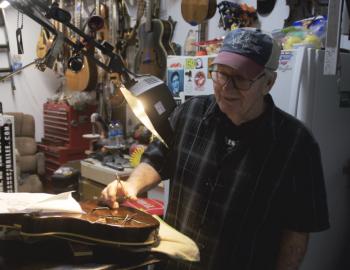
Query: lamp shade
[[152, 103]]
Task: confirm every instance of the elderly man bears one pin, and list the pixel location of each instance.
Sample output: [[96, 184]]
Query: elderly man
[[246, 178]]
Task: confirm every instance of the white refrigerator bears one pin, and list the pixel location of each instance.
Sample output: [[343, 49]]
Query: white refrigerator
[[323, 104]]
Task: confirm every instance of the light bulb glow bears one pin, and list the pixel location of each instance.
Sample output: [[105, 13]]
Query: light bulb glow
[[138, 109], [4, 4]]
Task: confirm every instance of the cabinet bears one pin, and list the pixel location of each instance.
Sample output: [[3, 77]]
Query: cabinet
[[64, 127]]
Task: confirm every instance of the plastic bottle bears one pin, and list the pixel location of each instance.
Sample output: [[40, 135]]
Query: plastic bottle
[[115, 134], [119, 134], [111, 134]]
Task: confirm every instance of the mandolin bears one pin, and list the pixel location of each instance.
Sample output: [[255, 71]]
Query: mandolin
[[86, 78], [123, 226]]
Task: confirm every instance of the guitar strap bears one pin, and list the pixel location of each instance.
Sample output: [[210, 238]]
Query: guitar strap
[[54, 51], [19, 35]]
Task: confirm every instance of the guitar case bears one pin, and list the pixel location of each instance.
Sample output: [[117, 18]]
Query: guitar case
[[53, 253]]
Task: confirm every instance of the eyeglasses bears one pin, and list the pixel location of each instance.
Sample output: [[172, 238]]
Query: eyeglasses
[[239, 82]]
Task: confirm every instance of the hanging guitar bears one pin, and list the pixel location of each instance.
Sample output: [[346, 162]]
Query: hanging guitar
[[43, 45], [168, 29], [197, 11], [81, 74], [151, 56], [130, 38], [123, 226]]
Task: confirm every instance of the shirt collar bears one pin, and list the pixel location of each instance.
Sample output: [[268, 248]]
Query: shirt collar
[[269, 121]]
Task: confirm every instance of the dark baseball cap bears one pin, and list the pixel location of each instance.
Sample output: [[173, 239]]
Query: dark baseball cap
[[249, 51]]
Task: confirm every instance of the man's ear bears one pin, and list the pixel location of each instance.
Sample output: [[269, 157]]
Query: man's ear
[[270, 81]]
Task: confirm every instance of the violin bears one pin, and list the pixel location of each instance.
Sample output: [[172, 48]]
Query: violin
[[123, 226]]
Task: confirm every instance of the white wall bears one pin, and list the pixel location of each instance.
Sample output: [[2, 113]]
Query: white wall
[[33, 87]]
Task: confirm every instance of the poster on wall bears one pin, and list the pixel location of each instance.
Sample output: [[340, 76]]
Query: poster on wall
[[189, 76]]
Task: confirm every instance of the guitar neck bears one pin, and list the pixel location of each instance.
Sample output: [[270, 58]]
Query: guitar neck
[[148, 25], [77, 14], [112, 21], [202, 31]]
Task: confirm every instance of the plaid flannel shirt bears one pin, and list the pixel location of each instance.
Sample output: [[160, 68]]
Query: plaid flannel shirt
[[236, 206]]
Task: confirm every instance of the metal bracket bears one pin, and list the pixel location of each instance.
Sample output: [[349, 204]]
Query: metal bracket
[[335, 9]]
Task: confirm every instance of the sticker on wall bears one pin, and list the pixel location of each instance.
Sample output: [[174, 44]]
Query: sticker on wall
[[285, 62], [175, 81], [199, 81]]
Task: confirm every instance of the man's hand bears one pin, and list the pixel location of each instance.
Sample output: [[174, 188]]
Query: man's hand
[[116, 192], [143, 178], [292, 250]]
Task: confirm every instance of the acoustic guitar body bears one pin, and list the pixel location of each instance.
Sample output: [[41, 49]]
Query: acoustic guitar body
[[151, 56], [211, 9], [194, 11], [122, 227], [83, 80]]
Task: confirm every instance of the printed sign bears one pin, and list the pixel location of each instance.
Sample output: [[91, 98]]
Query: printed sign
[[7, 166]]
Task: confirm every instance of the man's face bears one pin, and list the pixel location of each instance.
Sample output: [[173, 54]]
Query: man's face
[[175, 83], [240, 105]]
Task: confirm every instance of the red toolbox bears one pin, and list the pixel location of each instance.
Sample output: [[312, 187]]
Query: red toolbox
[[63, 139]]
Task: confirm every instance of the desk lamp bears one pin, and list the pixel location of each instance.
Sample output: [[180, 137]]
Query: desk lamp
[[152, 102]]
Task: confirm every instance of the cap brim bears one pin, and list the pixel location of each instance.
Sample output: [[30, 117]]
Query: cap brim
[[244, 65]]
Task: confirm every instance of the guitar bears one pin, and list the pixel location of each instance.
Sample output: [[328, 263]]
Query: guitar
[[123, 226], [86, 78], [211, 9], [130, 38], [195, 11], [102, 10], [43, 45], [167, 35], [151, 56]]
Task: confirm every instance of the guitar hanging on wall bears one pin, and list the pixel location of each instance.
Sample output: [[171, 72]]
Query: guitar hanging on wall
[[196, 12], [85, 78], [151, 56], [43, 45]]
